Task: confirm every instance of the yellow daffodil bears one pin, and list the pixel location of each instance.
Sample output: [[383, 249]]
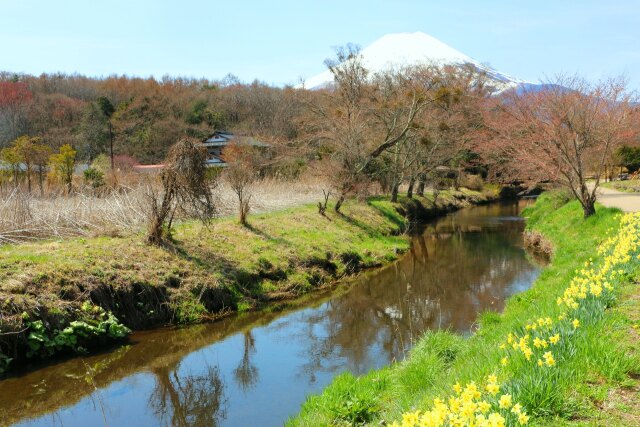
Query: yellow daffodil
[[548, 359], [472, 406], [484, 406], [505, 401]]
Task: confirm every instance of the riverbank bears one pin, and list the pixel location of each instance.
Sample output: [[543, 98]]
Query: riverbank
[[78, 294], [593, 377], [629, 186], [360, 324]]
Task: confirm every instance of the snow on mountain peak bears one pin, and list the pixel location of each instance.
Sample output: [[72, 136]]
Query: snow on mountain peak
[[406, 49], [409, 49]]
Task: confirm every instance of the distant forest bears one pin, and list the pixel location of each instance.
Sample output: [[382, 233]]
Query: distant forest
[[428, 125], [144, 116]]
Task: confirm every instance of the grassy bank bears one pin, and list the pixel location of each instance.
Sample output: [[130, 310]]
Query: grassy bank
[[589, 376], [630, 186], [72, 295]]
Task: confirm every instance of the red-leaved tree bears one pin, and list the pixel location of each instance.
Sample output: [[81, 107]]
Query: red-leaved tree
[[562, 134], [15, 98]]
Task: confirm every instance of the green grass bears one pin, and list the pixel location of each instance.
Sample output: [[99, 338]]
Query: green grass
[[205, 271], [289, 251], [280, 251], [600, 362]]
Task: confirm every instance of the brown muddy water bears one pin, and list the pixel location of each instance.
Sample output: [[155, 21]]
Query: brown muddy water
[[256, 369]]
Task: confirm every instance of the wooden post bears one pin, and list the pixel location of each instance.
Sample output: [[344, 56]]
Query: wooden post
[[111, 146]]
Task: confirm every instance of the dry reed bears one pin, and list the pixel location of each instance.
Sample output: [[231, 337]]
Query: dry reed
[[26, 217]]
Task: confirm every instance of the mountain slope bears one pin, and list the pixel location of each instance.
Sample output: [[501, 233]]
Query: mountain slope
[[407, 49]]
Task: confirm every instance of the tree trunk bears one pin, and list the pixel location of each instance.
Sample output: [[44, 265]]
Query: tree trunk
[[587, 200], [339, 203], [41, 182], [589, 208], [243, 206], [322, 207], [394, 192], [412, 182], [155, 235], [111, 148], [29, 179], [421, 183]]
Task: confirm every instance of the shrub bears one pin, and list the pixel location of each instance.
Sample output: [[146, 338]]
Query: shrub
[[351, 260], [190, 311], [356, 409], [94, 177], [63, 165], [185, 188], [629, 157], [97, 325]]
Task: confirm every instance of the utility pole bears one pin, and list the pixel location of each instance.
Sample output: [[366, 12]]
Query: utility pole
[[111, 145]]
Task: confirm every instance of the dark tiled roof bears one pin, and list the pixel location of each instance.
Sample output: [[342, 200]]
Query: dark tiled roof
[[221, 139]]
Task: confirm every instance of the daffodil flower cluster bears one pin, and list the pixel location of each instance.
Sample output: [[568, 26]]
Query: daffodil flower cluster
[[537, 341], [536, 344], [616, 252], [470, 405], [591, 284]]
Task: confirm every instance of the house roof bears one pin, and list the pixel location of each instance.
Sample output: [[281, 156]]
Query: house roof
[[223, 138], [215, 161], [141, 167]]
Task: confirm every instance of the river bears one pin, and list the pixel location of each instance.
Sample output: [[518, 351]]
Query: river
[[257, 368]]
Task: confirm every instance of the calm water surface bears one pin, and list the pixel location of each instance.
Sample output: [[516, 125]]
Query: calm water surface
[[257, 369]]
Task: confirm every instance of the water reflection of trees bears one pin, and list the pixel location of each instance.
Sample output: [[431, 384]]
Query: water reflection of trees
[[246, 374], [188, 399], [459, 267]]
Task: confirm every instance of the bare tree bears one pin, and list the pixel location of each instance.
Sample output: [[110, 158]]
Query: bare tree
[[188, 399], [40, 157], [246, 373], [322, 206], [15, 99], [361, 118], [240, 173], [447, 125], [184, 188], [564, 134]]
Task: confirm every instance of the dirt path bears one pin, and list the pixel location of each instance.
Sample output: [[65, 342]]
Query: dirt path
[[628, 202]]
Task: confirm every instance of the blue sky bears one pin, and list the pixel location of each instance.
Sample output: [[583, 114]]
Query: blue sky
[[280, 41]]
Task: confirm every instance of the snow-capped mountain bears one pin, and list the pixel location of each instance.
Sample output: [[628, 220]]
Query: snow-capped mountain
[[408, 49]]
